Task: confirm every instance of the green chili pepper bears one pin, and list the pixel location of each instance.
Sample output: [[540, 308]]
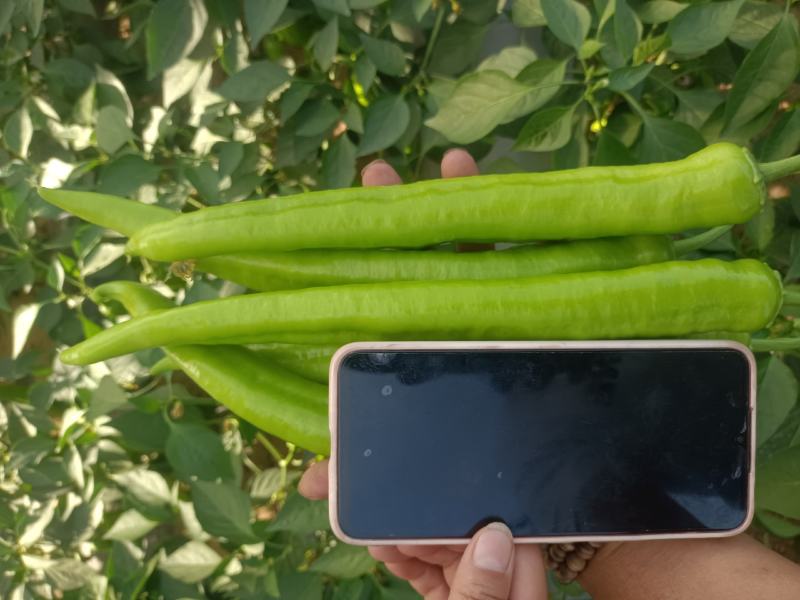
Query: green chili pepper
[[267, 271], [311, 268], [661, 300], [266, 395], [309, 361], [716, 186]]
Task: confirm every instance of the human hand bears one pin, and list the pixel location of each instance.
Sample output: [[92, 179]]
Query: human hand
[[490, 567]]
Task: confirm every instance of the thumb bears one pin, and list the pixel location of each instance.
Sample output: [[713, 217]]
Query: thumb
[[484, 572]]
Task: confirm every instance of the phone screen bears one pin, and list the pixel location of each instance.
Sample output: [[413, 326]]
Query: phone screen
[[435, 444]]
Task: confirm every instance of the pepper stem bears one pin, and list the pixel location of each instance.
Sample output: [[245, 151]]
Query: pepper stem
[[700, 240], [780, 168], [791, 298], [774, 344]]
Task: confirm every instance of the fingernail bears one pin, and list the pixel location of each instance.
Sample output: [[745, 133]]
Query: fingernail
[[377, 161], [494, 548]]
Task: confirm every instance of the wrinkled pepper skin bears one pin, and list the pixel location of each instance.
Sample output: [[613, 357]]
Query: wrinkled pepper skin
[[667, 299], [267, 271], [263, 393], [718, 185]]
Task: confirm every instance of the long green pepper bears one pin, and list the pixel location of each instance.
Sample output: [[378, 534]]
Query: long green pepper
[[718, 185], [268, 271], [265, 394], [661, 300]]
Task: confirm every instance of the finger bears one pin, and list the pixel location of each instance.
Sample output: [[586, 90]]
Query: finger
[[314, 482], [379, 172], [530, 581], [485, 570], [457, 162], [387, 554], [435, 555], [424, 578]]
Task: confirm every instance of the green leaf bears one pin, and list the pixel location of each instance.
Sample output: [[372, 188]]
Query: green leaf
[[325, 44], [755, 20], [6, 12], [784, 138], [22, 323], [627, 29], [352, 118], [510, 60], [266, 483], [611, 151], [223, 510], [527, 13], [481, 101], [364, 4], [336, 6], [777, 394], [73, 465], [305, 585], [130, 526], [386, 120], [191, 563], [173, 30], [316, 117], [589, 48], [18, 131], [664, 140], [180, 79], [293, 98], [339, 164], [260, 16], [459, 47], [568, 20], [105, 398], [253, 83], [100, 257], [702, 26], [301, 516], [364, 72], [760, 229], [33, 531], [695, 106], [766, 72], [196, 452], [344, 562], [777, 483], [625, 78], [659, 11], [546, 130], [35, 10], [147, 491], [84, 7], [386, 56], [778, 524], [112, 129], [125, 175], [69, 574]]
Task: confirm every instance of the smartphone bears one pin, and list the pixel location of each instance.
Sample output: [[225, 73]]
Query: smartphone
[[561, 441]]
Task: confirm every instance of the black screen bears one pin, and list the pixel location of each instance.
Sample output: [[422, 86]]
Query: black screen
[[437, 443]]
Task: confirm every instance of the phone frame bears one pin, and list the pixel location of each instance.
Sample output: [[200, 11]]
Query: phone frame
[[333, 415]]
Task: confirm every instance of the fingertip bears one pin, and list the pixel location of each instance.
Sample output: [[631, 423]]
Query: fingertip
[[457, 162], [379, 172], [314, 482]]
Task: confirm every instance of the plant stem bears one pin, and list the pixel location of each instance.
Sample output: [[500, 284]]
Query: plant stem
[[780, 168], [437, 26], [700, 240], [791, 298], [774, 344], [269, 447]]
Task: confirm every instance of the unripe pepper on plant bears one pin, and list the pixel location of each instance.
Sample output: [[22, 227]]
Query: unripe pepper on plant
[[721, 184], [667, 299]]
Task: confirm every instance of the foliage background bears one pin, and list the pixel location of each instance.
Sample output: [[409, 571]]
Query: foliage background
[[116, 484]]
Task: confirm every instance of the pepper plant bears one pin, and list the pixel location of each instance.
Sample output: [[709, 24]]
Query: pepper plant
[[116, 483]]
